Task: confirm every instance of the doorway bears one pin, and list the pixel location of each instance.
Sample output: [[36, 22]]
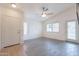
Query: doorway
[[10, 31], [71, 31]]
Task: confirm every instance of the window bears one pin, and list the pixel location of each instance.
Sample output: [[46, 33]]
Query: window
[[49, 27], [71, 30], [55, 27], [25, 28]]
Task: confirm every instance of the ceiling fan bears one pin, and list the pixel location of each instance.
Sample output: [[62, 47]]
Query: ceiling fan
[[45, 12]]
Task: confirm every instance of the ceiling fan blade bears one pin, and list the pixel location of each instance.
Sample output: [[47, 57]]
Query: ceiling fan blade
[[49, 13]]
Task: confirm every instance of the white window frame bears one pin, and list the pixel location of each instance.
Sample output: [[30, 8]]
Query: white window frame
[[49, 27], [25, 28], [55, 27]]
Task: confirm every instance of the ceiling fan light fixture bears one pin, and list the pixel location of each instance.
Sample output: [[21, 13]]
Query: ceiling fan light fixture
[[13, 5], [44, 15]]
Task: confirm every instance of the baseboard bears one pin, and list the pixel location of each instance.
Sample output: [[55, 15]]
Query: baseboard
[[54, 39], [32, 38], [72, 42]]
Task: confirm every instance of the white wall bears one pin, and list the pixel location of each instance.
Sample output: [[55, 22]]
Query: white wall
[[33, 30], [34, 26], [62, 18], [0, 27]]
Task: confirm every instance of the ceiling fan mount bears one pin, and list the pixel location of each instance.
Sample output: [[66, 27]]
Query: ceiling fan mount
[[45, 9]]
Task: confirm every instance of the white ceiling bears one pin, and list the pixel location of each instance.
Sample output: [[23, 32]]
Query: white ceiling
[[33, 11], [54, 7]]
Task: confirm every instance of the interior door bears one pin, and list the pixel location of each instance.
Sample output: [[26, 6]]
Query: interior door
[[11, 31], [72, 31]]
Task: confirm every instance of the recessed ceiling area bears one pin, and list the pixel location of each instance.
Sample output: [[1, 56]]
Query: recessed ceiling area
[[34, 11]]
